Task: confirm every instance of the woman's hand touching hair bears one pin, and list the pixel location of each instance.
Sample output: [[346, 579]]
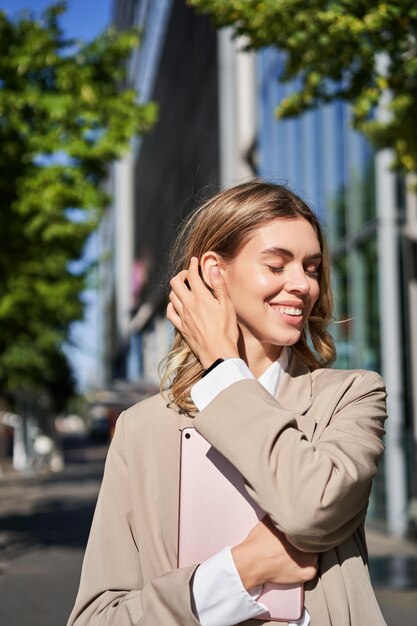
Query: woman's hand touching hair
[[206, 320], [266, 556]]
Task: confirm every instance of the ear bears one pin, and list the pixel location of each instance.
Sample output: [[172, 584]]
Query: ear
[[208, 260]]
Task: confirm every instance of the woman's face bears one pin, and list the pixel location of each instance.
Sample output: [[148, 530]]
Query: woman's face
[[273, 281]]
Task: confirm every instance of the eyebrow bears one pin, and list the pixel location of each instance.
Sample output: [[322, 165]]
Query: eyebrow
[[275, 251]]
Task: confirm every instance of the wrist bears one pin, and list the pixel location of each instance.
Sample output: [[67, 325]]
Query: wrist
[[247, 567], [208, 359], [212, 366]]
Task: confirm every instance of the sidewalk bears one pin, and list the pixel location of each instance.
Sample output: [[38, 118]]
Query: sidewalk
[[393, 567], [44, 524]]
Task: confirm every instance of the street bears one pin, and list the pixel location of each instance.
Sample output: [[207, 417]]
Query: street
[[44, 523]]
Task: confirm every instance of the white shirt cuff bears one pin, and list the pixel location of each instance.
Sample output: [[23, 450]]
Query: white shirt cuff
[[220, 598], [221, 377]]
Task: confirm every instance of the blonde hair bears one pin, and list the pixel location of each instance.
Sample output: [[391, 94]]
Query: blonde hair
[[224, 224]]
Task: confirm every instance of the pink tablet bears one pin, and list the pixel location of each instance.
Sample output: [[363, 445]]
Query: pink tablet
[[216, 511]]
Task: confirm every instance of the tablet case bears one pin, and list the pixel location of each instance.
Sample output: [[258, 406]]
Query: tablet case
[[216, 511]]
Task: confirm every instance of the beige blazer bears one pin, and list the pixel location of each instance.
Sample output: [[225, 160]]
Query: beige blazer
[[308, 458]]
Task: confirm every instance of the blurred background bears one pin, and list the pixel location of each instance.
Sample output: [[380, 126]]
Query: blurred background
[[117, 117]]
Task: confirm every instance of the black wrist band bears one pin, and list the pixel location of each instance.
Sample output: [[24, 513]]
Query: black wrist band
[[212, 366]]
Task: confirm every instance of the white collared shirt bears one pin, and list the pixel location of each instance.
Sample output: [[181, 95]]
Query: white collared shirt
[[220, 598]]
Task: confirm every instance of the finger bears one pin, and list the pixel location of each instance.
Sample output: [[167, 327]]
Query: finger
[[194, 277], [176, 302], [182, 275], [218, 284], [173, 317], [180, 278], [178, 285]]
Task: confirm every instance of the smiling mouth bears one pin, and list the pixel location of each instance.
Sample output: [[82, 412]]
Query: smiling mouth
[[287, 310]]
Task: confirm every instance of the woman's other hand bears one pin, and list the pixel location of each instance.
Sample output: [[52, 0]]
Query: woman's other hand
[[265, 556], [207, 322]]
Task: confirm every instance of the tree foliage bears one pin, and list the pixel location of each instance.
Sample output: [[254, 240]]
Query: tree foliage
[[356, 50], [66, 112]]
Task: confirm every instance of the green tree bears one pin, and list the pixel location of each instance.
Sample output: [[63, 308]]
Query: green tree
[[356, 50], [66, 112]]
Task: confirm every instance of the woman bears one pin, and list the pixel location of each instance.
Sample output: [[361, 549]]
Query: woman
[[252, 301]]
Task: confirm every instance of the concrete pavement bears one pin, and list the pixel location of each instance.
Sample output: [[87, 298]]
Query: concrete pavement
[[44, 524]]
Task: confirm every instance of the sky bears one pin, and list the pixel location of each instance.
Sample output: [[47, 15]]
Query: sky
[[84, 19]]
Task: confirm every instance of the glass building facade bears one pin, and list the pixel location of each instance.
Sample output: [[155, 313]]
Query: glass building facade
[[220, 128], [332, 167]]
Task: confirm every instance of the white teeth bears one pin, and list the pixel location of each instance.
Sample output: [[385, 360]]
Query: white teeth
[[290, 310]]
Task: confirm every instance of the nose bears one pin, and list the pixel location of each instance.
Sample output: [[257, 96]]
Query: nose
[[297, 281]]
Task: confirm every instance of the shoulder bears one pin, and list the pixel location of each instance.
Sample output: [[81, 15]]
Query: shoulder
[[347, 384], [150, 415], [154, 404], [331, 376], [147, 436]]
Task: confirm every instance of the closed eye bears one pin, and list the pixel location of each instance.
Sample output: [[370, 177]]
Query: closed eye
[[310, 272], [313, 273]]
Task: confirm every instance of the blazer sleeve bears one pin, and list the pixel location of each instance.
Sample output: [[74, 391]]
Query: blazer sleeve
[[316, 493], [111, 591]]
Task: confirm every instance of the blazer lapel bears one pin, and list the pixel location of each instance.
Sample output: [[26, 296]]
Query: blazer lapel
[[295, 394]]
